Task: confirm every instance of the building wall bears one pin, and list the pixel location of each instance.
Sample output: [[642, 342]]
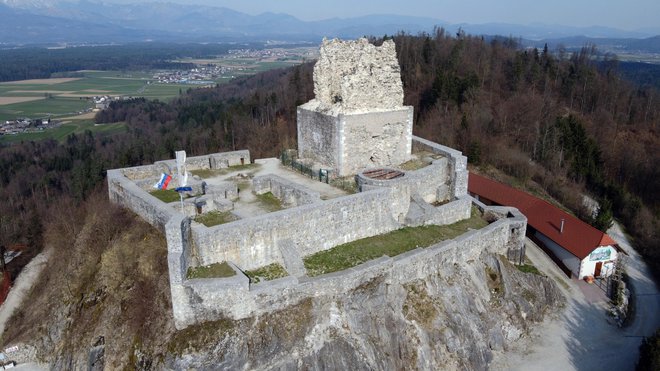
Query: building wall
[[318, 137], [588, 266], [569, 260], [253, 243], [351, 142], [126, 193], [374, 139], [458, 181]]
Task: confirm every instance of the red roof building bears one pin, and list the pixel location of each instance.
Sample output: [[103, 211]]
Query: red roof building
[[581, 248]]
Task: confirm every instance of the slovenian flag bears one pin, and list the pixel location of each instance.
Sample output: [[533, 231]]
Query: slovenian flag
[[163, 182]]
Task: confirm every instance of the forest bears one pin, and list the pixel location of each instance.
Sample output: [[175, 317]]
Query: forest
[[39, 63], [561, 124]]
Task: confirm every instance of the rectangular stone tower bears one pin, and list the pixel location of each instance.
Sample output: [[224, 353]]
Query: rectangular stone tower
[[357, 119]]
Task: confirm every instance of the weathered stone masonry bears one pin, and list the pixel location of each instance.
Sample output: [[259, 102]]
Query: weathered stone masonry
[[311, 227], [357, 119], [357, 122]]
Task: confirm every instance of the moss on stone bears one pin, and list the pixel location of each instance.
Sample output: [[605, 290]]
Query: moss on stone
[[419, 306], [216, 270], [267, 273], [215, 218], [269, 201]]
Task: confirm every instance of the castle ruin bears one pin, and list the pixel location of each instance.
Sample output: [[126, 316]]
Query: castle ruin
[[356, 126], [357, 119]]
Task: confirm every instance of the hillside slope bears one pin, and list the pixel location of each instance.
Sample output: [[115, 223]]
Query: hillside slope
[[104, 301]]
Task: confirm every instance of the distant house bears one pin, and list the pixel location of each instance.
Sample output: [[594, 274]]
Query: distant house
[[578, 248]]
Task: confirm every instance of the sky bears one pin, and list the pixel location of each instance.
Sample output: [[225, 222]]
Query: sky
[[622, 14]]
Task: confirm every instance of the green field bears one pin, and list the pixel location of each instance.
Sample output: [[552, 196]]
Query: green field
[[60, 133], [65, 99], [71, 97], [53, 107]]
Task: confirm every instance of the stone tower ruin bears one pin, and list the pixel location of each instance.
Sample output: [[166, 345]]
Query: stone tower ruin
[[357, 119]]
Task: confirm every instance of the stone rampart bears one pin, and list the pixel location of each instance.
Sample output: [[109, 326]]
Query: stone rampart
[[212, 161], [215, 299], [457, 164], [126, 193], [289, 193], [253, 243]]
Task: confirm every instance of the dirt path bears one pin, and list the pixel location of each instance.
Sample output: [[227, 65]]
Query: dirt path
[[583, 336], [21, 287]]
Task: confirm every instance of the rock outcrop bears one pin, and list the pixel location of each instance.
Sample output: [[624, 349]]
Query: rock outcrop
[[454, 319]]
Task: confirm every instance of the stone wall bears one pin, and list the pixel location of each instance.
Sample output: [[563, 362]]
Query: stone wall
[[376, 138], [212, 161], [126, 193], [318, 137], [252, 243], [457, 164], [213, 299], [350, 142], [289, 193], [357, 119], [357, 75]]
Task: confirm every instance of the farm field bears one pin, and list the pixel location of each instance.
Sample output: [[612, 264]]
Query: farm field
[[57, 98], [69, 99], [60, 133]]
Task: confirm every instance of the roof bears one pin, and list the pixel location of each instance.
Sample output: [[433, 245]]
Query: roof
[[578, 237]]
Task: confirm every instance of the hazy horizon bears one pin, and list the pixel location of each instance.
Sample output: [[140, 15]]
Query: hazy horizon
[[584, 13]]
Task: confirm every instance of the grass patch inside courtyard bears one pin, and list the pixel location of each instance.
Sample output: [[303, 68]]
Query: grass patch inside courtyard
[[269, 202], [166, 195], [390, 244], [216, 270], [215, 218], [267, 273]]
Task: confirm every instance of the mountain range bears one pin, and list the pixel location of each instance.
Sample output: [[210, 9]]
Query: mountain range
[[57, 21]]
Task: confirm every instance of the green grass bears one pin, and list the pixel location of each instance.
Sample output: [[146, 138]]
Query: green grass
[[267, 273], [54, 107], [62, 132], [105, 82], [390, 244], [212, 173], [216, 270], [528, 268], [166, 195], [269, 202], [215, 218]]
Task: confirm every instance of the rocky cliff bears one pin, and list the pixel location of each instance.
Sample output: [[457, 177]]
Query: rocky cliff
[[454, 319]]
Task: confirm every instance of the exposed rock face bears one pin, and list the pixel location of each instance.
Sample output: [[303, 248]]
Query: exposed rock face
[[356, 75], [454, 319]]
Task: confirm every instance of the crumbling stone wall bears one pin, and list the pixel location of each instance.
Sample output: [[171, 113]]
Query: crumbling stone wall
[[357, 119], [289, 193], [356, 75]]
